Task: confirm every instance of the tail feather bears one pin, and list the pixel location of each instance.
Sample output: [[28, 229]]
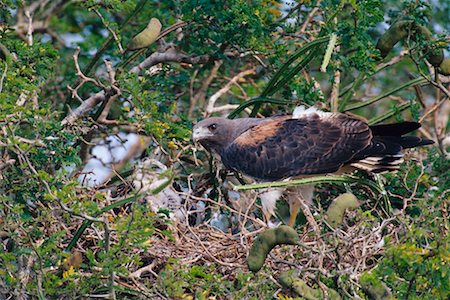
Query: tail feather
[[384, 152], [406, 141], [396, 129]]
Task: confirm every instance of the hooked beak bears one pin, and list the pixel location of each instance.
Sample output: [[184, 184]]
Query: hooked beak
[[200, 133]]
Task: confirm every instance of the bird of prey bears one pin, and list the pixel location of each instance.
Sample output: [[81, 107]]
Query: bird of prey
[[305, 143]]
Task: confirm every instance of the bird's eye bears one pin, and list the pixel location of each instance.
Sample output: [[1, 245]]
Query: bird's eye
[[212, 127]]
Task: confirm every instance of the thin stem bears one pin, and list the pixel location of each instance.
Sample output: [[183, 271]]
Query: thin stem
[[306, 181], [417, 81], [389, 114], [253, 101]]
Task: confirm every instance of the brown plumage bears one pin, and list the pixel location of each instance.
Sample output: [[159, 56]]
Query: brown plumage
[[313, 142]]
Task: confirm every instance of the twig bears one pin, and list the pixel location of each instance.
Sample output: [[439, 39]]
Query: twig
[[146, 269], [102, 118], [224, 108], [171, 28], [212, 100], [393, 61], [83, 78], [81, 215], [201, 93], [79, 73], [110, 30], [84, 108], [165, 32], [309, 216], [441, 87], [3, 77], [289, 13], [432, 109], [310, 16], [334, 97]]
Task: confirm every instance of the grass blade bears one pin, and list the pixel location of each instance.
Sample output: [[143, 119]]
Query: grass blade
[[250, 102]]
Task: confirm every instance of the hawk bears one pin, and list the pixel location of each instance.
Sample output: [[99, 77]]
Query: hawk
[[306, 143]]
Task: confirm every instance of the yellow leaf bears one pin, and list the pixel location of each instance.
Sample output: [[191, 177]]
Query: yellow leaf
[[69, 272], [172, 145], [110, 218]]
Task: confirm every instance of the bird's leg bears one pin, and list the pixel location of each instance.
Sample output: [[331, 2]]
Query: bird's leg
[[294, 206], [267, 216], [301, 197]]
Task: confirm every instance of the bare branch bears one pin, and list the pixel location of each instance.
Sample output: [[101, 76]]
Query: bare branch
[[84, 108], [172, 56], [146, 269], [29, 36], [224, 108], [201, 93], [80, 74], [393, 61], [310, 17], [334, 97], [212, 100]]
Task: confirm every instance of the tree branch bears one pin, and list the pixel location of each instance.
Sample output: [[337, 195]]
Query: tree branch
[[226, 88], [169, 56], [155, 58]]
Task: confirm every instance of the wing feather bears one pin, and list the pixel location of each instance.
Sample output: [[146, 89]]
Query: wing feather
[[286, 147]]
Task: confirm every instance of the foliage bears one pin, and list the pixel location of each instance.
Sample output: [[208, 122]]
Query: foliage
[[47, 217]]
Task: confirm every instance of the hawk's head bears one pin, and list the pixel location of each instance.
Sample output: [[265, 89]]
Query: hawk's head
[[214, 133]]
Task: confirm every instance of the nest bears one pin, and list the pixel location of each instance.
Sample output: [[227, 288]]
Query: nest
[[348, 251]]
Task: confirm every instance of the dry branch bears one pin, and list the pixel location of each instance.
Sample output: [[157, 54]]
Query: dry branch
[[201, 93], [212, 100], [169, 56]]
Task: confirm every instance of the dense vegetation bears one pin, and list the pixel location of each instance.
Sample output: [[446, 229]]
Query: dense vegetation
[[161, 218]]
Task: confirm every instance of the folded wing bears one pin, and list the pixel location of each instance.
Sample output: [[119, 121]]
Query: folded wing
[[286, 147]]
